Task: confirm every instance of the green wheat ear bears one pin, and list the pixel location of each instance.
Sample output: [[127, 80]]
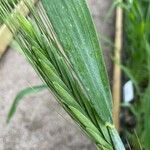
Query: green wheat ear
[[61, 43]]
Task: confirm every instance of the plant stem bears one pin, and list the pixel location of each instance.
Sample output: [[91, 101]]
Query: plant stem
[[116, 140]]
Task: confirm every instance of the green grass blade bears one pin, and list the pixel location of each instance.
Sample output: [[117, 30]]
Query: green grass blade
[[74, 28], [25, 92]]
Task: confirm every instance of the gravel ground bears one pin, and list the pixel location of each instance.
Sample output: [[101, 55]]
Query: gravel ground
[[40, 123]]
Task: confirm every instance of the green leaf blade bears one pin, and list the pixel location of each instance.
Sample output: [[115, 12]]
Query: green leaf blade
[[80, 43], [21, 95]]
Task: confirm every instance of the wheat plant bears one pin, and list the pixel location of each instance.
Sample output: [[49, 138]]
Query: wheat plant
[[61, 43]]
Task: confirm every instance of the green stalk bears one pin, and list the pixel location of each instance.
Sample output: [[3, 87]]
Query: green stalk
[[117, 143]]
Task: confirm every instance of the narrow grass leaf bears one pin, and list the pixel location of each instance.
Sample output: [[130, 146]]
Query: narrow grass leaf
[[25, 92]]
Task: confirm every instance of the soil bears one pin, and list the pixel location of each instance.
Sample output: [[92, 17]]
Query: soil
[[40, 123]]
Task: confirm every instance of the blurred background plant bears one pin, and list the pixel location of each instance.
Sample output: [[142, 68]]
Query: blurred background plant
[[136, 67]]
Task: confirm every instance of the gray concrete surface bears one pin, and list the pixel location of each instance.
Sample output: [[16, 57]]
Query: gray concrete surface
[[40, 123]]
